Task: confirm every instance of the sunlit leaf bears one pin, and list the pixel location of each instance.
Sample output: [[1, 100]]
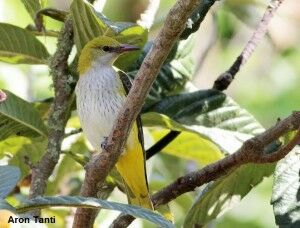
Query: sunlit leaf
[[30, 150], [227, 125], [88, 202], [66, 168], [19, 117], [20, 148], [190, 144], [18, 45], [9, 176]]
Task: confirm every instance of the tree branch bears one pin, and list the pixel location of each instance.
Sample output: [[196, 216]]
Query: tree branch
[[59, 112], [99, 166], [225, 79], [252, 151]]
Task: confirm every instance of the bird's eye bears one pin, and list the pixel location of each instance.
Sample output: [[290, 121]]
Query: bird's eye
[[106, 48]]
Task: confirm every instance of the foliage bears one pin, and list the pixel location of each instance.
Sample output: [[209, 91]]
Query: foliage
[[211, 124]]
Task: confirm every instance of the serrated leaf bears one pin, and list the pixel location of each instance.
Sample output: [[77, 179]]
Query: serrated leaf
[[9, 177], [19, 117], [33, 6], [89, 202], [285, 196], [89, 24], [18, 45]]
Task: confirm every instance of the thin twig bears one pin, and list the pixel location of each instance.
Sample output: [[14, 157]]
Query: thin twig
[[33, 29], [99, 166], [59, 112], [148, 16], [73, 132], [56, 14], [252, 151], [162, 143], [225, 79]]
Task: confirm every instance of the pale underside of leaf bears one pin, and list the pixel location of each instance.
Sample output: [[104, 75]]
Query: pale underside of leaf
[[88, 202], [285, 196], [9, 176]]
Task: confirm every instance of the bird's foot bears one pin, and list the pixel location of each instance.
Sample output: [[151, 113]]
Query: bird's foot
[[104, 143]]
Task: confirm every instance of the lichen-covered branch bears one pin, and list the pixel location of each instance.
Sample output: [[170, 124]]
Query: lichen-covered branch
[[99, 166], [59, 112], [225, 79], [252, 151]]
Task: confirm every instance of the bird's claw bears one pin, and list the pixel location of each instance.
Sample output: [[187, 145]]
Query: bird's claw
[[104, 143]]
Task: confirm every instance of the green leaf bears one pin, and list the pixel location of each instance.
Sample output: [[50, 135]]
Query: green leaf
[[66, 168], [29, 149], [221, 195], [9, 177], [88, 202], [213, 115], [285, 196], [176, 71], [86, 24], [208, 108], [19, 117], [20, 46], [227, 125], [33, 6], [89, 24], [131, 34], [19, 148], [190, 144]]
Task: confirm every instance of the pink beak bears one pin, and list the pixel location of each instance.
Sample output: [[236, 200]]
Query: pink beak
[[127, 47]]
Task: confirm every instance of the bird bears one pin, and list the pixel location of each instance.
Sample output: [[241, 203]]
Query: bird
[[100, 93]]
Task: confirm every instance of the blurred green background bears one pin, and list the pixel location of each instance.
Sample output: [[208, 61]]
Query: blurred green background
[[267, 86]]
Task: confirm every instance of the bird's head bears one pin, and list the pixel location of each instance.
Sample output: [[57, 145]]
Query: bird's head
[[102, 50]]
